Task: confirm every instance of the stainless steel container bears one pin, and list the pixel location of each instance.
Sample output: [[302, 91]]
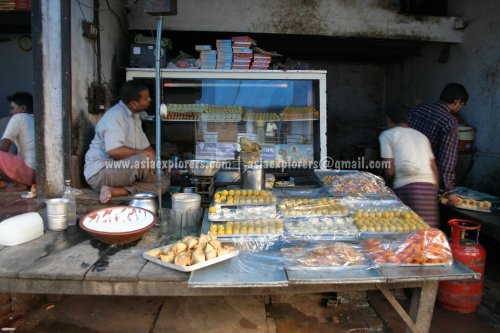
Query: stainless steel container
[[57, 214], [253, 177], [144, 200]]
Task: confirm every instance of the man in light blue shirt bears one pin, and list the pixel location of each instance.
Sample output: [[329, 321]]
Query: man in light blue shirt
[[120, 160]]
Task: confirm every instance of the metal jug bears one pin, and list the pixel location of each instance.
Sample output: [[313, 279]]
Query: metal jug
[[253, 177], [144, 200]]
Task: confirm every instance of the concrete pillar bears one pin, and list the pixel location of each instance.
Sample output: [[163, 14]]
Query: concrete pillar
[[50, 90]]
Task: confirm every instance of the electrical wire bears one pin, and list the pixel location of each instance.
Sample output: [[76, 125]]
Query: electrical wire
[[104, 80]]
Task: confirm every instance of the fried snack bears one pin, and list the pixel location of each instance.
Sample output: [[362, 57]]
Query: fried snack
[[183, 259], [356, 183], [179, 247], [191, 250], [325, 255], [169, 257], [198, 256], [155, 253], [210, 252], [419, 247], [190, 241]]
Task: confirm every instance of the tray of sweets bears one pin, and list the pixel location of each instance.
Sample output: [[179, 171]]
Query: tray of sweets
[[387, 220], [321, 228], [302, 207], [258, 228], [471, 204], [220, 214], [244, 197]]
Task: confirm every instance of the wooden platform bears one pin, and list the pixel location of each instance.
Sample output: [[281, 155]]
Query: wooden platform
[[71, 262]]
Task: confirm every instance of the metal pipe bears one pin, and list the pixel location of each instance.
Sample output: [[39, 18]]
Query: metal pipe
[[98, 41], [158, 119]]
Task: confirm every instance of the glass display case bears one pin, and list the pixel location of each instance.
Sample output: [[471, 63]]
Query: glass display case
[[208, 111]]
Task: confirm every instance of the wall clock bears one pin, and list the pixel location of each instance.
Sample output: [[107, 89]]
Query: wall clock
[[25, 43]]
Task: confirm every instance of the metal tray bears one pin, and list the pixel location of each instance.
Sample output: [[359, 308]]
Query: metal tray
[[320, 237], [192, 267], [441, 264], [232, 237], [483, 210], [331, 268]]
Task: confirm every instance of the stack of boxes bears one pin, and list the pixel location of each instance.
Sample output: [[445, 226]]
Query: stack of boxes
[[234, 53], [261, 61], [242, 52], [224, 54], [208, 57]]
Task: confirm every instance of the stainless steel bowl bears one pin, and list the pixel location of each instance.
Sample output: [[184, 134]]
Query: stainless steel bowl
[[144, 200]]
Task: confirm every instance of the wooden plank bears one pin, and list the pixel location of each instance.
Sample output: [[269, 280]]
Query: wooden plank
[[72, 263], [15, 258], [425, 307], [124, 265], [154, 272], [399, 309]]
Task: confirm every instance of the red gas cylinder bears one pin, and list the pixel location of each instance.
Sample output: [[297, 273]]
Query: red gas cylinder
[[464, 296]]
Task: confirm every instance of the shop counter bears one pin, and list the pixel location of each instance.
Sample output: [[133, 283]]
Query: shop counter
[[71, 262]]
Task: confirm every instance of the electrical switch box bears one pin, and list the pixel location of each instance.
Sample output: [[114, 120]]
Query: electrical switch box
[[143, 56]]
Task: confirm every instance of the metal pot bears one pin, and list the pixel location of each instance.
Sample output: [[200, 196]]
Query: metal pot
[[144, 200], [253, 177]]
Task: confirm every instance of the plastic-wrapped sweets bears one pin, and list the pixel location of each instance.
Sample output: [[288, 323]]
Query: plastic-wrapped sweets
[[330, 255], [259, 255], [359, 183], [421, 247], [321, 206], [320, 227]]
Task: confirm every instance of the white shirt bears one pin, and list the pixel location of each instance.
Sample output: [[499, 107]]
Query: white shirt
[[21, 131], [412, 154], [118, 127]]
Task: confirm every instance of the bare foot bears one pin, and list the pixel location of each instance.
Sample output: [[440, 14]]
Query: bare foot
[[14, 187], [105, 195]]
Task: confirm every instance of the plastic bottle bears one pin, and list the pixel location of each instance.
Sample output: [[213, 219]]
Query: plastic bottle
[[68, 194]]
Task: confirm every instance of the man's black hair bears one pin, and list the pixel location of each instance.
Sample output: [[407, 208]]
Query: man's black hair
[[453, 91], [397, 113], [131, 91], [22, 98]]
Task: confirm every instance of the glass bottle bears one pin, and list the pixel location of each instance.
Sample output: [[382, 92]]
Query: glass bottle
[[69, 195]]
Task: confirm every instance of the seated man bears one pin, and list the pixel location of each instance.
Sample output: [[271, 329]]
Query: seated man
[[18, 171], [119, 160]]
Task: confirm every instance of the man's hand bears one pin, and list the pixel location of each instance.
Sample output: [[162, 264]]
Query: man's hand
[[5, 144], [123, 152], [453, 199], [150, 154]]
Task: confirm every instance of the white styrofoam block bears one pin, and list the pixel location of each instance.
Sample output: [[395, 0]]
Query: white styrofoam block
[[21, 229]]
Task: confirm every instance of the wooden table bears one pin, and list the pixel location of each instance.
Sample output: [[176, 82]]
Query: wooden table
[[71, 262]]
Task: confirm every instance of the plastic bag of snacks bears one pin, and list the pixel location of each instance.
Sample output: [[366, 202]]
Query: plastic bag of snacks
[[325, 255], [420, 247], [359, 183]]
